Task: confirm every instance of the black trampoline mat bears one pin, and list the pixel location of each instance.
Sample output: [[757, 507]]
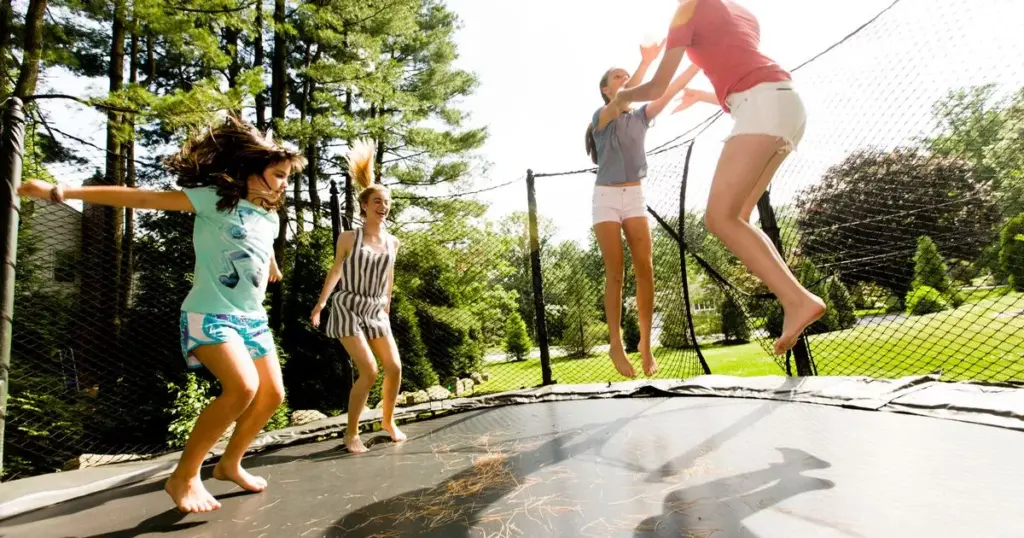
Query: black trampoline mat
[[689, 467]]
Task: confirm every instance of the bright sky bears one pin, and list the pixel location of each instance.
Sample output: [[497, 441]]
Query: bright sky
[[539, 62]]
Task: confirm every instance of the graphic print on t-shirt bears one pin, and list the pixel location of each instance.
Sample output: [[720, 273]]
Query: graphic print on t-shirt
[[240, 263]]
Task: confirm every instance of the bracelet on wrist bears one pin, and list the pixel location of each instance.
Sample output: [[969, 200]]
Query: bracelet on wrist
[[57, 193]]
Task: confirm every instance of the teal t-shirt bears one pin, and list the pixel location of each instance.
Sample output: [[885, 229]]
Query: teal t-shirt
[[233, 250]]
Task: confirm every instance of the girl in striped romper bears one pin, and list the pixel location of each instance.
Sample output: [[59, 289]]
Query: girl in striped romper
[[363, 272]]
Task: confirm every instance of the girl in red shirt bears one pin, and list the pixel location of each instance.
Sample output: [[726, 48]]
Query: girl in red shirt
[[722, 38]]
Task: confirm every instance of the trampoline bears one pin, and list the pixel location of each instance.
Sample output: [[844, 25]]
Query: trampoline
[[651, 465]]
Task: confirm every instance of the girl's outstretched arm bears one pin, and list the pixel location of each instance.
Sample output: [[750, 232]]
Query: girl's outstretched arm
[[647, 56], [345, 243], [391, 278], [108, 195], [679, 84]]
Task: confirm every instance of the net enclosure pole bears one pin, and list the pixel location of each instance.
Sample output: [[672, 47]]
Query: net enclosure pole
[[538, 282], [770, 225], [11, 143], [335, 214], [682, 261]]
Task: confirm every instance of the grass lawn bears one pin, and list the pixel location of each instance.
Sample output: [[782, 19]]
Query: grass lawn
[[972, 342], [983, 340]]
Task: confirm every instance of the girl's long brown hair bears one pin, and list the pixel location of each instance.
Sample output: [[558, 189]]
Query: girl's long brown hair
[[591, 143], [225, 157]]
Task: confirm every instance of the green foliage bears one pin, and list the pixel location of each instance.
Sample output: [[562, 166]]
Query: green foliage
[[630, 329], [517, 341], [867, 295], [44, 426], [280, 419], [734, 322], [314, 375], [841, 305], [583, 328], [929, 268], [453, 347], [925, 300], [189, 400], [417, 372], [675, 332], [1011, 255], [985, 130], [963, 210]]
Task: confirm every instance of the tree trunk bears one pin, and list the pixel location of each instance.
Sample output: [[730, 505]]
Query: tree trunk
[[231, 35], [257, 61], [278, 102], [150, 58], [102, 227], [6, 27], [279, 82], [349, 194], [128, 242], [378, 161], [33, 49]]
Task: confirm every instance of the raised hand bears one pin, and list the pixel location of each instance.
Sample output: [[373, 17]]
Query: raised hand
[[650, 52], [687, 99]]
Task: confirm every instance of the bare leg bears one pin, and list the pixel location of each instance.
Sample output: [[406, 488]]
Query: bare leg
[[367, 367], [767, 175], [387, 351], [609, 239], [638, 234], [739, 177], [234, 368], [268, 399]]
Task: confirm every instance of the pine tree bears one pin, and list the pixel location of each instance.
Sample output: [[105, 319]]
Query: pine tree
[[929, 268], [517, 341]]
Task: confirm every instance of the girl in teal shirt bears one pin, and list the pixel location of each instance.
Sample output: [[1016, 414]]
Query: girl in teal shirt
[[234, 180]]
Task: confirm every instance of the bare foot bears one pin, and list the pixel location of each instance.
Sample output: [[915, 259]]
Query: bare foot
[[189, 495], [238, 475], [355, 444], [621, 361], [396, 434], [798, 319], [650, 365]]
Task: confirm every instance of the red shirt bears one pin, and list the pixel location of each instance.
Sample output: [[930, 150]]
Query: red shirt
[[722, 38]]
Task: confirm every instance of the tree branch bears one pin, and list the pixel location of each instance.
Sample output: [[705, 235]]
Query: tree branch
[[82, 101]]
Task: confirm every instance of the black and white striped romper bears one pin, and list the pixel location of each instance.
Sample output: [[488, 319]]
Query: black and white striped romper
[[358, 305]]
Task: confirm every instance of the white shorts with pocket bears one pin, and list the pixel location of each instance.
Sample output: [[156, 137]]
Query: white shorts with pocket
[[770, 108], [617, 203]]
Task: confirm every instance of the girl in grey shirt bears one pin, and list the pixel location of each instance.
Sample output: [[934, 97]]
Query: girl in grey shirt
[[615, 142]]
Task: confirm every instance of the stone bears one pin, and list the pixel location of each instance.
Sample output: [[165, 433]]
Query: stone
[[464, 387], [477, 377], [420, 397], [438, 393]]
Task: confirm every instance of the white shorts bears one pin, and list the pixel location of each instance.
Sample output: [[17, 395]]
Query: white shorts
[[616, 204], [770, 108]]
